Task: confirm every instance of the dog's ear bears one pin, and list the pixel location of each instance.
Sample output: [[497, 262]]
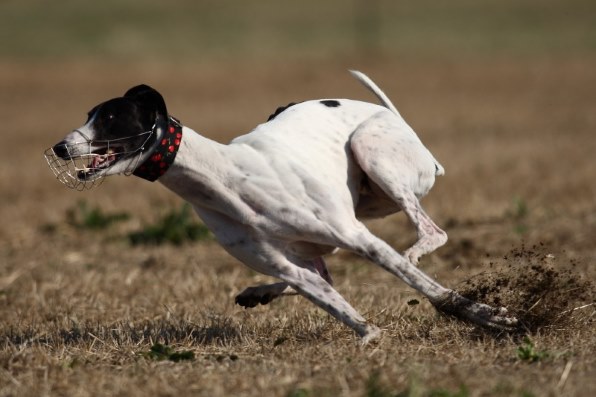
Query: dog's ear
[[149, 98]]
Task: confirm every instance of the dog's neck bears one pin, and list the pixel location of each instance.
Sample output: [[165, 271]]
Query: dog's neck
[[200, 171], [163, 154]]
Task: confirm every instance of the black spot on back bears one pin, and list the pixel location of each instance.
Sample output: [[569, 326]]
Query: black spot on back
[[279, 110], [330, 103]]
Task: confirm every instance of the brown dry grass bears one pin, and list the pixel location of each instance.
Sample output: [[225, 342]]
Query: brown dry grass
[[77, 307]]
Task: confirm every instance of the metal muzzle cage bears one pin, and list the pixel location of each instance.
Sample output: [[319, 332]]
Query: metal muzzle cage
[[79, 165]]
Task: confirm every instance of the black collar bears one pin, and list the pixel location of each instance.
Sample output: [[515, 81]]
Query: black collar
[[164, 154]]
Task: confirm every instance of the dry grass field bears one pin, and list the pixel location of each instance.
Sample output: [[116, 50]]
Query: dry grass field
[[82, 308]]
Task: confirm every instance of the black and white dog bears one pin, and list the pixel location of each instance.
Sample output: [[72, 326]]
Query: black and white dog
[[286, 194]]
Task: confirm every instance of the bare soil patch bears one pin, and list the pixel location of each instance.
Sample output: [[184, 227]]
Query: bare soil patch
[[537, 288]]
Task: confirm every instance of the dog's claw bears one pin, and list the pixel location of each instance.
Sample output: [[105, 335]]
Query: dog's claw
[[476, 313]]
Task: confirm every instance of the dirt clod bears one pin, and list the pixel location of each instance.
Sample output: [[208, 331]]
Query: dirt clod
[[541, 292]]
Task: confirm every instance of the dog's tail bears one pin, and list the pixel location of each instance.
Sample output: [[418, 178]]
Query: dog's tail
[[368, 83]]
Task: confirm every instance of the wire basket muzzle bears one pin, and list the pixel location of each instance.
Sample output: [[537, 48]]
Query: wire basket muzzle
[[81, 166], [73, 171]]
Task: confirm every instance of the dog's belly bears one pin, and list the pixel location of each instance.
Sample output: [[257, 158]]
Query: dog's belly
[[305, 250]]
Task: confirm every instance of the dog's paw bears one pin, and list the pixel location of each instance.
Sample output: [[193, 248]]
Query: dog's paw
[[252, 297], [372, 333], [476, 313], [246, 301]]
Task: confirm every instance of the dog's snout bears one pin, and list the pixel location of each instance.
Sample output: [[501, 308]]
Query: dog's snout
[[60, 149]]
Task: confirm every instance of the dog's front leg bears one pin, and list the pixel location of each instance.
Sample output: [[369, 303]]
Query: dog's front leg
[[264, 294], [313, 287], [269, 258], [301, 276]]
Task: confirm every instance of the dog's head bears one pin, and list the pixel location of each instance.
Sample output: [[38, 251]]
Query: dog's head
[[119, 134]]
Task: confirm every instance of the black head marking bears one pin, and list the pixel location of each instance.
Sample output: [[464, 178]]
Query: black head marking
[[133, 116], [134, 113], [148, 98], [330, 103], [279, 110]]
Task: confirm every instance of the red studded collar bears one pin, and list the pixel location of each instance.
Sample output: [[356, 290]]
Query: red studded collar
[[164, 154]]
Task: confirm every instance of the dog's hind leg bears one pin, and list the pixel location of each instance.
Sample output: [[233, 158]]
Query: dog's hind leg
[[399, 165], [364, 243], [430, 236], [263, 294]]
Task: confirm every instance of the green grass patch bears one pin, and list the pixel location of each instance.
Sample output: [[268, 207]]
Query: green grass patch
[[527, 352], [518, 213], [461, 392], [374, 387], [300, 392], [519, 208], [83, 216], [175, 227], [161, 352]]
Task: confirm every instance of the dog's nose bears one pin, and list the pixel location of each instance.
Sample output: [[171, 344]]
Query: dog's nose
[[61, 150]]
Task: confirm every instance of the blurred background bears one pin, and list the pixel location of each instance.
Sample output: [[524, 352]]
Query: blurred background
[[199, 31], [502, 91]]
